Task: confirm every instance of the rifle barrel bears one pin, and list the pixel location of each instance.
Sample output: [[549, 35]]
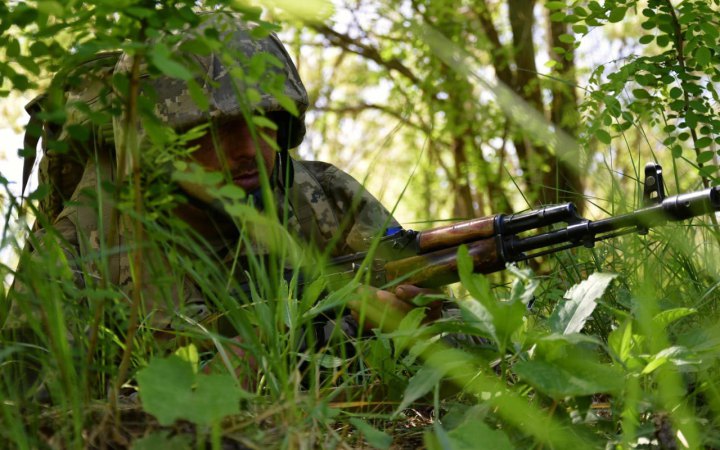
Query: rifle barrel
[[671, 209]]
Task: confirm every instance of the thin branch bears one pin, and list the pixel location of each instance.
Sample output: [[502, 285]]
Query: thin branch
[[367, 51]]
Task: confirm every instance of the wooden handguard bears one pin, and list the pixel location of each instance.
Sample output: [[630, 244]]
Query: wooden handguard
[[456, 234]]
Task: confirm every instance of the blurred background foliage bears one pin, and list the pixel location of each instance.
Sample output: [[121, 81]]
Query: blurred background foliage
[[619, 77]]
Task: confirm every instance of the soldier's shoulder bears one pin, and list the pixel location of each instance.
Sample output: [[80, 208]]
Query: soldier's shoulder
[[326, 174], [319, 169]]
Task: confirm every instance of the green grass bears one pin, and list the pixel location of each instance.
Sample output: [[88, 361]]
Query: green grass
[[644, 362]]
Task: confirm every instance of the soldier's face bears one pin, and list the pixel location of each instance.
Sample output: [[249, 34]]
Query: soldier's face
[[231, 147]]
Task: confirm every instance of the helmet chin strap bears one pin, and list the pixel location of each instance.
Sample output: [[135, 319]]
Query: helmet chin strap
[[282, 177], [284, 173]]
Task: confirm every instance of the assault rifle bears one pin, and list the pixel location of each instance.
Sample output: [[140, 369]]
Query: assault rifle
[[428, 258]]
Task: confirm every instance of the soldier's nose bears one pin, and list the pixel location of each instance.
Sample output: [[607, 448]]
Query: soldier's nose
[[238, 141]]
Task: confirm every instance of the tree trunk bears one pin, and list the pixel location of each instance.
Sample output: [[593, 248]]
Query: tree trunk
[[564, 114]]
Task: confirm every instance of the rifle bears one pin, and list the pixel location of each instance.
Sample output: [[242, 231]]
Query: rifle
[[428, 258]]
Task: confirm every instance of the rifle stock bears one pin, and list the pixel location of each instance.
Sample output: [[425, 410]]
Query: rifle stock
[[429, 258]]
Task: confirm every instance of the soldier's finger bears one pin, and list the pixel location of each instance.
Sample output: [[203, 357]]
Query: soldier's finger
[[408, 292], [378, 308]]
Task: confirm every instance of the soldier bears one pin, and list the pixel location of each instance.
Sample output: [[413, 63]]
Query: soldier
[[316, 201]]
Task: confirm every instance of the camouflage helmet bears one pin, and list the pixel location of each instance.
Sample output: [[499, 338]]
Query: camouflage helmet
[[222, 86]]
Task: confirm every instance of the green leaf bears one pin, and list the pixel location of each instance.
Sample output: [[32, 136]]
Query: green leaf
[[42, 191], [648, 38], [676, 92], [498, 319], [613, 105], [708, 171], [665, 318], [170, 390], [663, 40], [617, 14], [576, 378], [558, 16], [198, 95], [703, 142], [411, 322], [436, 438], [620, 341], [478, 315], [373, 436], [704, 157], [420, 384], [264, 122], [710, 30], [641, 93], [196, 174], [142, 13], [555, 5], [51, 8], [162, 59], [570, 316], [566, 38], [190, 354], [702, 55], [663, 357], [477, 285], [524, 285], [12, 48], [166, 388], [603, 136], [216, 396], [287, 103], [468, 434], [230, 191]]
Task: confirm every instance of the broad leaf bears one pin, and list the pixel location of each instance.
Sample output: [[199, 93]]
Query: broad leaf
[[469, 434], [162, 59], [169, 390], [524, 285], [620, 341], [420, 384], [496, 318], [676, 354], [373, 436], [559, 381], [665, 318], [476, 284], [570, 316], [166, 388], [408, 329], [216, 396]]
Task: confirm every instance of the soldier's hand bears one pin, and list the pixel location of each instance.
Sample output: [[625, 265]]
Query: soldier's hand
[[385, 309]]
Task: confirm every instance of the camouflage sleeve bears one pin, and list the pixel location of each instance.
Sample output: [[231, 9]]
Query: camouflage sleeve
[[47, 271], [361, 216]]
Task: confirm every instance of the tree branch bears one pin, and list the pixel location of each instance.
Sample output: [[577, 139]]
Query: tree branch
[[367, 51]]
